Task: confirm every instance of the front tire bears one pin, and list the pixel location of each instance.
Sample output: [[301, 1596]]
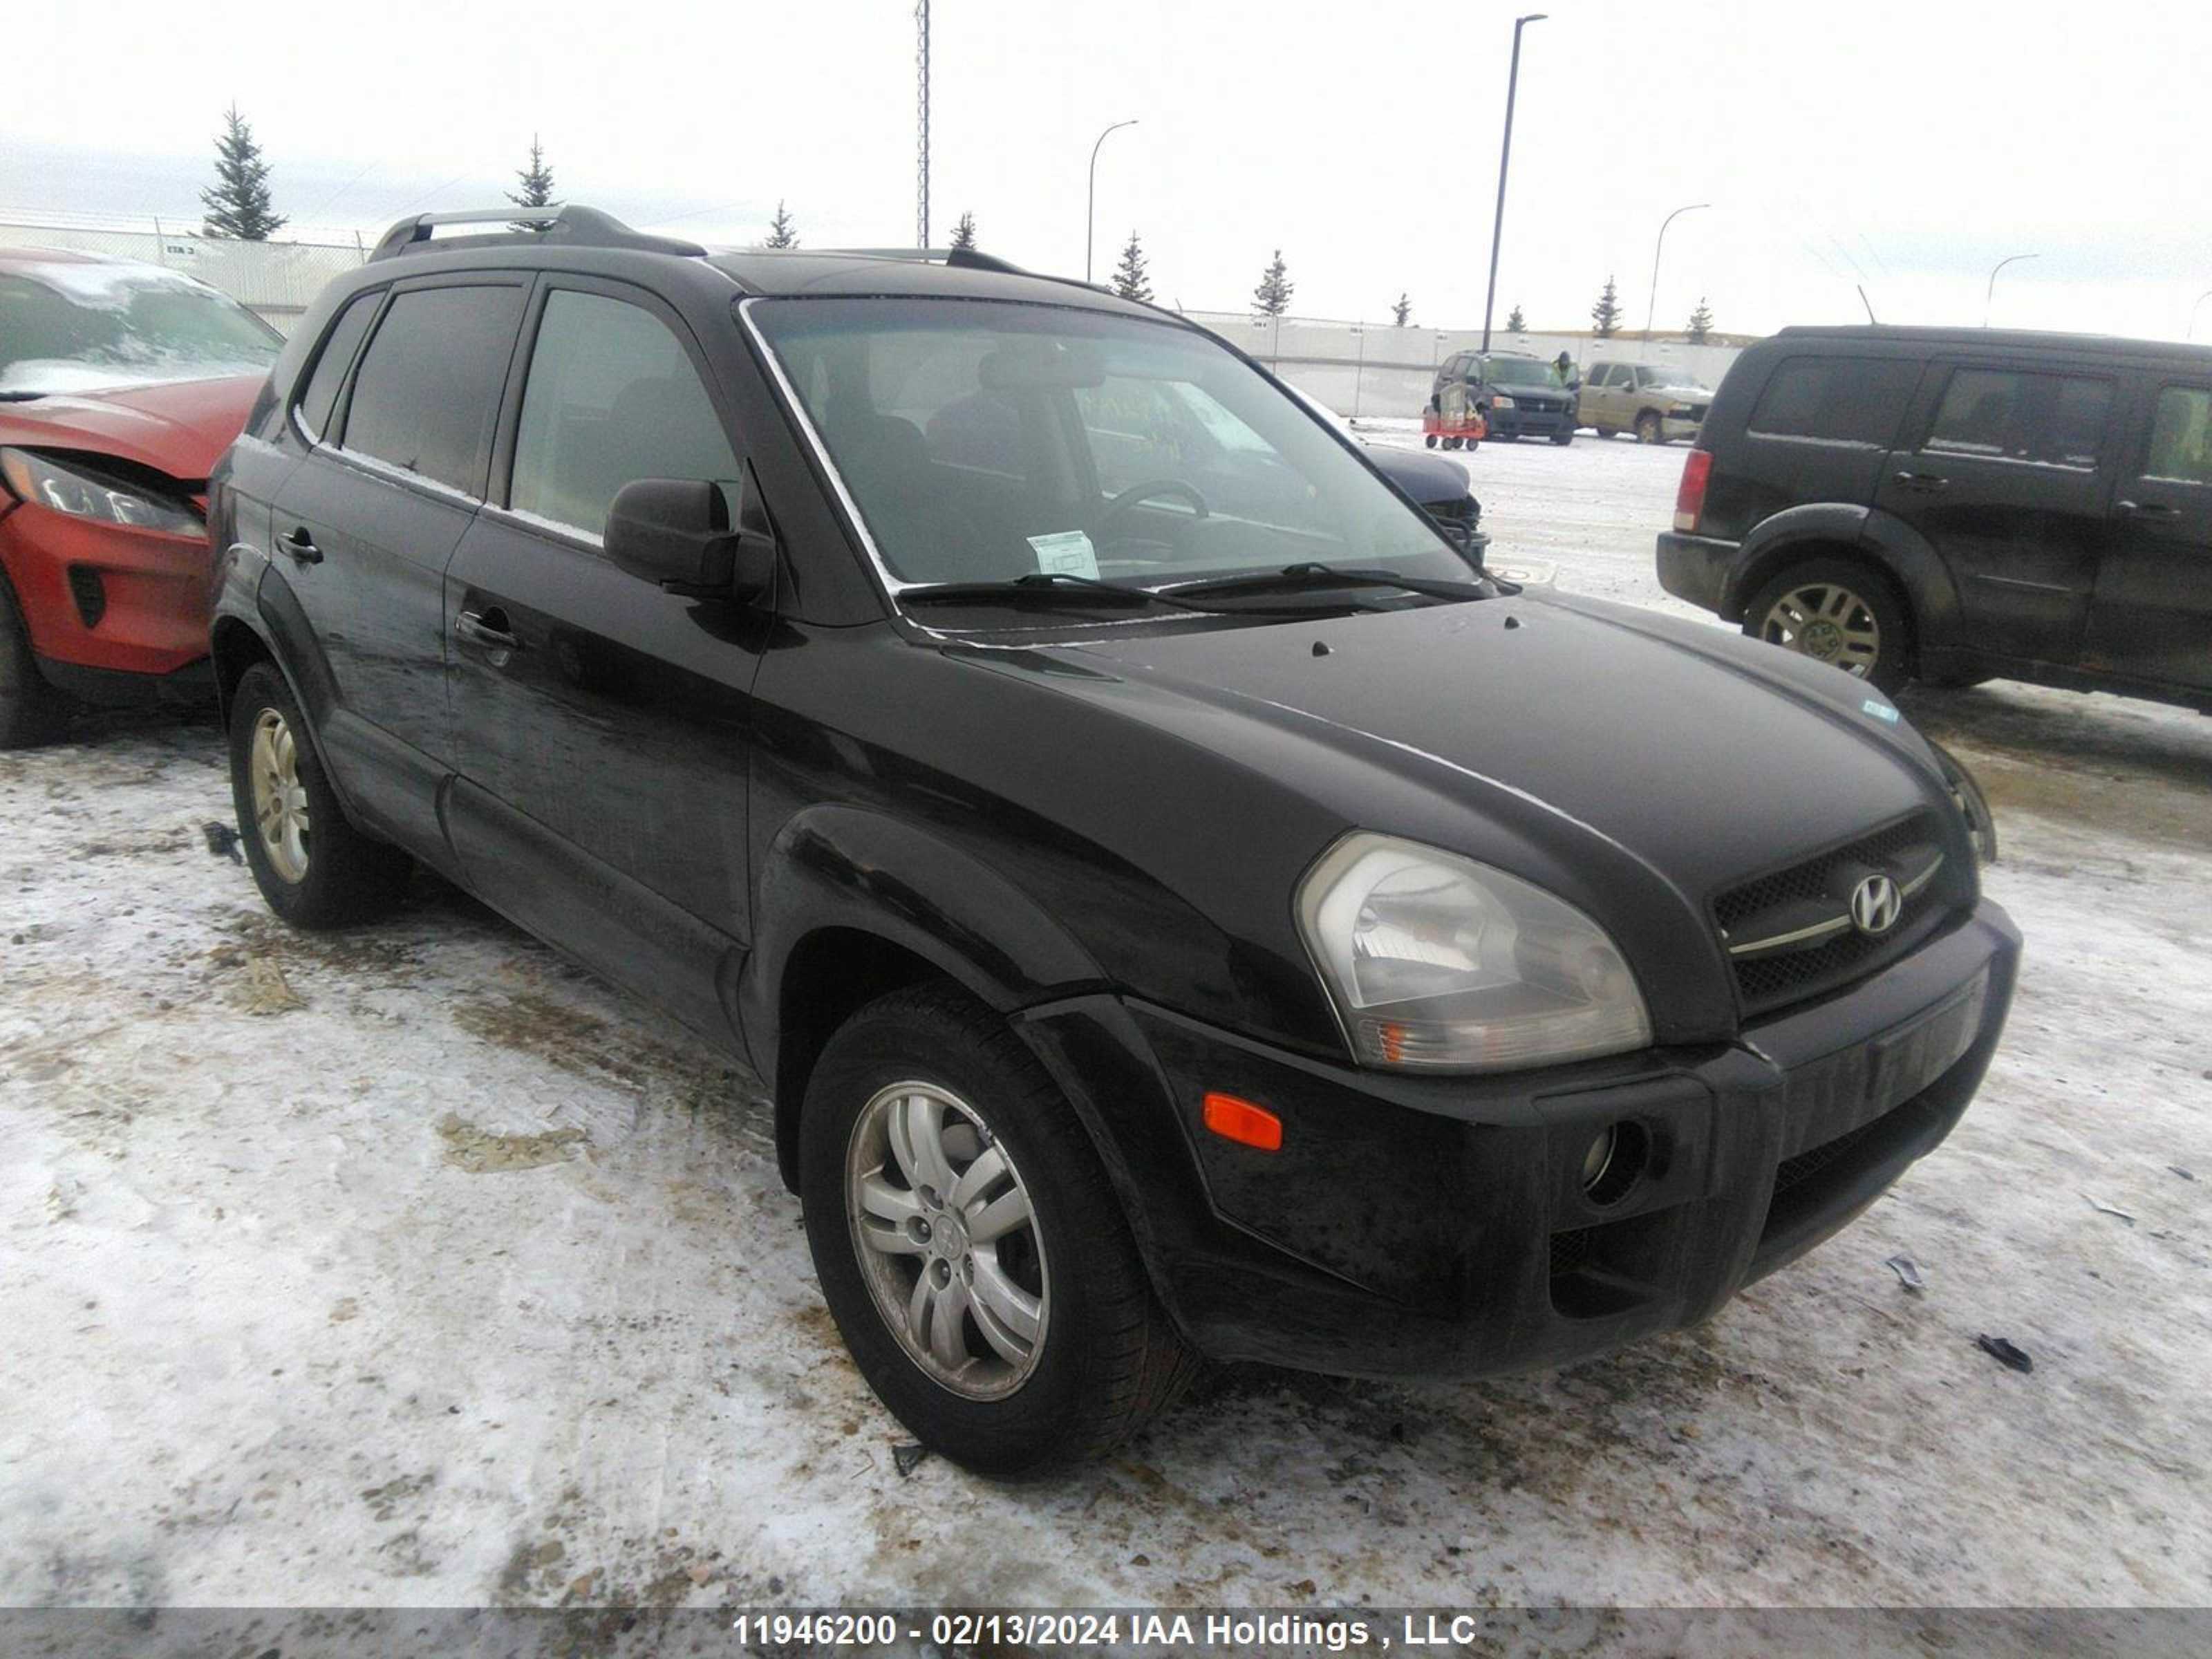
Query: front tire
[[31, 711], [1648, 428], [1838, 612], [1563, 439], [315, 868], [970, 1246]]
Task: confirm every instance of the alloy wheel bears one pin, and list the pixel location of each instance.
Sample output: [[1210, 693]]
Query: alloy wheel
[[280, 800], [1829, 623], [947, 1240]]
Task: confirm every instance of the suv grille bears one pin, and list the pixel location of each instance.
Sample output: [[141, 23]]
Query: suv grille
[[1790, 935]]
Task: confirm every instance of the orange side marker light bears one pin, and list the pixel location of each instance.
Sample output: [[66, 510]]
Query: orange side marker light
[[1242, 1122]]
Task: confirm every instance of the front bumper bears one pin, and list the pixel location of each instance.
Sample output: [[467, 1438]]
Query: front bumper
[[1697, 568], [1412, 1226], [106, 597], [1520, 422]]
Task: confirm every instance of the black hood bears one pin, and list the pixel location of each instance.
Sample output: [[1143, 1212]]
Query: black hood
[[1701, 755]]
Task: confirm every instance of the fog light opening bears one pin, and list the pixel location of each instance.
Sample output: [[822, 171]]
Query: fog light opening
[[1614, 1162]]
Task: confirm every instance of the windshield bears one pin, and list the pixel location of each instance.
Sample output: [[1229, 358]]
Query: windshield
[[985, 441], [68, 327], [1519, 371]]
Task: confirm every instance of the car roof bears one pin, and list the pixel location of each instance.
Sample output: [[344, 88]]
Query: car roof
[[1997, 340], [820, 274]]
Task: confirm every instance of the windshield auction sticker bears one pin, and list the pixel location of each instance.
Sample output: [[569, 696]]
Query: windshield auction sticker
[[1066, 553]]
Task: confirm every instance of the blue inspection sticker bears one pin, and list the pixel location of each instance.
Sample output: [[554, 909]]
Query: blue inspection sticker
[[1880, 711]]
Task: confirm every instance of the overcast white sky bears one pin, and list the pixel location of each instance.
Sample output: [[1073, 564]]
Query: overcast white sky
[[1906, 146]]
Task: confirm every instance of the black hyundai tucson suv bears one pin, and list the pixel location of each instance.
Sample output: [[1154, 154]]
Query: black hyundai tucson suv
[[1183, 908]]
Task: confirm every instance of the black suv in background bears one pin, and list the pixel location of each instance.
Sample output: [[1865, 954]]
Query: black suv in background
[[1156, 943], [1960, 504], [1517, 394]]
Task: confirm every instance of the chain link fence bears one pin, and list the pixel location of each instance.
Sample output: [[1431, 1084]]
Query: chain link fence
[[276, 280]]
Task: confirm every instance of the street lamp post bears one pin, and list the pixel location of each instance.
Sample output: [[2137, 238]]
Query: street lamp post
[[2200, 299], [1505, 155], [1091, 205], [2010, 259], [1651, 309]]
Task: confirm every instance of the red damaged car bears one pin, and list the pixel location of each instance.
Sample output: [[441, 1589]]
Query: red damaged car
[[120, 384]]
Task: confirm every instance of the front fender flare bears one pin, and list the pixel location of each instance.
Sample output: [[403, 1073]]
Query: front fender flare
[[833, 865]]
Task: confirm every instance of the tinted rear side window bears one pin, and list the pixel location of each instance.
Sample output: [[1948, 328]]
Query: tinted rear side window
[[336, 356], [1856, 400], [2181, 436], [2056, 419], [428, 391]]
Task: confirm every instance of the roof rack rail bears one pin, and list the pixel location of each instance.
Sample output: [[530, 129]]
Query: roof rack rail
[[566, 224]]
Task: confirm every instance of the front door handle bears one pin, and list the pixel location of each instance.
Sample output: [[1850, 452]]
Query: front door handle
[[2148, 510], [301, 545], [1929, 482], [488, 629]]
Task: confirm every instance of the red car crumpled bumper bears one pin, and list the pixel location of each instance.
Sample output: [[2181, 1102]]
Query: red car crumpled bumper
[[106, 603]]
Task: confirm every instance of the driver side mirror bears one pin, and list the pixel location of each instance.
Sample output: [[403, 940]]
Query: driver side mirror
[[677, 533]]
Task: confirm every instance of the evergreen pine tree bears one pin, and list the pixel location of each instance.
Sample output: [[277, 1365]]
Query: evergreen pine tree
[[238, 202], [1272, 297], [1130, 281], [781, 231], [964, 233], [537, 182], [1701, 322], [1401, 310], [1605, 313], [1514, 322]]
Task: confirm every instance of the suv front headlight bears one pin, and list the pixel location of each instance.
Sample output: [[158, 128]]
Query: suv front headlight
[[1437, 963], [84, 493]]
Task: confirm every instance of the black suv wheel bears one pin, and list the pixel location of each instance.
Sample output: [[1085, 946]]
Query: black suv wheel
[[315, 868], [1838, 612], [969, 1247]]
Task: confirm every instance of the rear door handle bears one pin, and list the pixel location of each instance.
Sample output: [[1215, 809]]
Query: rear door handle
[[487, 628], [301, 545], [2148, 510], [1924, 481]]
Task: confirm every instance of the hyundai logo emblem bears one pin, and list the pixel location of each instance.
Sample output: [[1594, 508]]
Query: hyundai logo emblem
[[1875, 905]]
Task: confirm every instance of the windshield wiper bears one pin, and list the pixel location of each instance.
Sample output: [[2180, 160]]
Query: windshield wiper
[[19, 396], [1064, 589], [1312, 576]]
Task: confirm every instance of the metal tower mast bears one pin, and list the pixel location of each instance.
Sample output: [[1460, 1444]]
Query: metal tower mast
[[921, 70]]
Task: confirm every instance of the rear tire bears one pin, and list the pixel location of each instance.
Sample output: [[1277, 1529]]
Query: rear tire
[[315, 868], [31, 711], [1839, 612], [1069, 1352]]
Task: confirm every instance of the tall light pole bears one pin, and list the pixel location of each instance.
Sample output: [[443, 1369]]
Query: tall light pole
[[921, 124], [2200, 299], [1505, 155], [2010, 259], [1657, 247], [1090, 203]]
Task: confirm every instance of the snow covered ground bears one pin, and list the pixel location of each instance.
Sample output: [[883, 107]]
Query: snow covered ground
[[410, 1267]]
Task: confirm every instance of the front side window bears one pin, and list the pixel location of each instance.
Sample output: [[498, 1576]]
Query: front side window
[[2052, 419], [83, 325], [985, 441], [612, 396], [2181, 436], [427, 392]]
